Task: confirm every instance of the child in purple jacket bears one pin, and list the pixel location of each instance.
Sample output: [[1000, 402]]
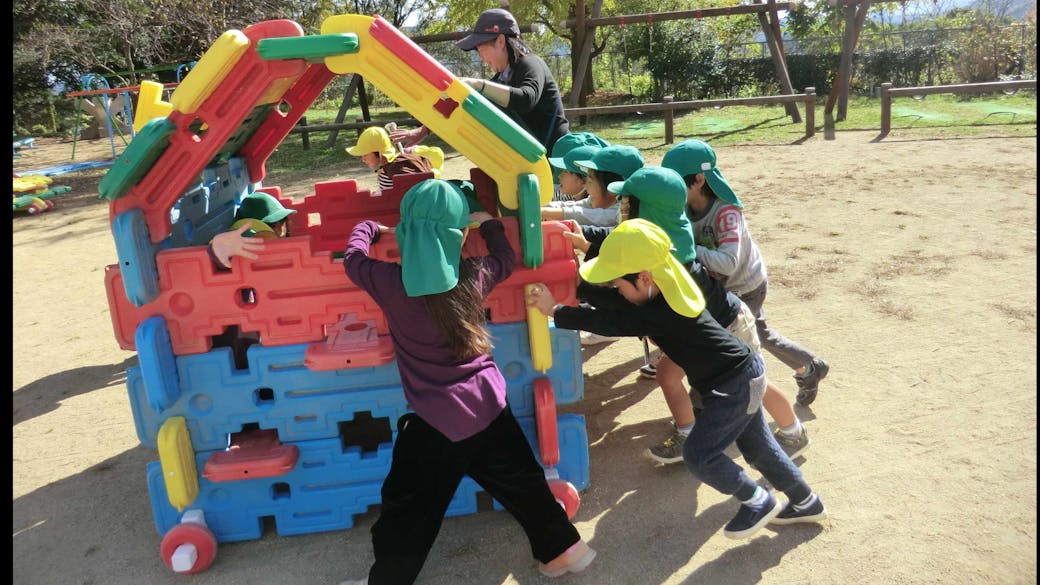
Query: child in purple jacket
[[461, 424]]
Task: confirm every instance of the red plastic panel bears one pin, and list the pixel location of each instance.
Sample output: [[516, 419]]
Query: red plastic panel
[[410, 53], [273, 130], [330, 214], [486, 189], [251, 455], [223, 111], [545, 422], [298, 293], [350, 344]]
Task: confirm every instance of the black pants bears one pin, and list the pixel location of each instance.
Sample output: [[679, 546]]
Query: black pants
[[424, 474]]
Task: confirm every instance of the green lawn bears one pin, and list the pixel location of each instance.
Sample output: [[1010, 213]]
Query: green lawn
[[933, 116]]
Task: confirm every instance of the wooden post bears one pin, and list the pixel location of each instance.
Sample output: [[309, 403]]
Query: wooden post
[[886, 108], [305, 133], [810, 111], [846, 62], [355, 79], [776, 50], [585, 55], [669, 121], [854, 18], [362, 97]]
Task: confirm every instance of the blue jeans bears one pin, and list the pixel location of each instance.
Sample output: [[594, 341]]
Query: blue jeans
[[733, 412]]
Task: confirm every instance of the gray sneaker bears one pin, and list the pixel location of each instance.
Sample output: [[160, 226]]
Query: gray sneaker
[[809, 381], [670, 451], [793, 446]]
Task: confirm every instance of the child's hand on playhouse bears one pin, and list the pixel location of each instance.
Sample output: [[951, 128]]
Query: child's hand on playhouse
[[538, 296], [228, 244], [577, 240], [386, 229], [409, 137]]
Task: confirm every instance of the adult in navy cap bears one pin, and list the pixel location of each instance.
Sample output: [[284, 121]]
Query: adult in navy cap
[[522, 86]]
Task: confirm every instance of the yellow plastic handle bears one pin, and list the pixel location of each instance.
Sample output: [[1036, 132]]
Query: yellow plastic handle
[[538, 331], [177, 458]]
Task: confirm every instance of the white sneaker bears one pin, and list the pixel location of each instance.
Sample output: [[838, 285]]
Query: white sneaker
[[588, 338]]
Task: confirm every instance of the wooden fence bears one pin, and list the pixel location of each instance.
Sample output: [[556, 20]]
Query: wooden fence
[[888, 92], [667, 106]]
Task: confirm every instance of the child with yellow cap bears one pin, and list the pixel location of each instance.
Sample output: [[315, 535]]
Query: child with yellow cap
[[653, 295], [658, 194], [376, 151], [461, 423]]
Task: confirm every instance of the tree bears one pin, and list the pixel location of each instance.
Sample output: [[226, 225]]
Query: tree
[[57, 42]]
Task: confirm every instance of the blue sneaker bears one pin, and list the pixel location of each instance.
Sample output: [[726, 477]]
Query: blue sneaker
[[793, 514], [750, 520]]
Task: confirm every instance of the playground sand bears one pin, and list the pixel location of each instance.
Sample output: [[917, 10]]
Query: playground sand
[[908, 264]]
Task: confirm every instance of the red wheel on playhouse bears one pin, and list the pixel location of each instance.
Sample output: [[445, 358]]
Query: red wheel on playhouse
[[567, 496], [188, 548], [50, 204], [35, 208]]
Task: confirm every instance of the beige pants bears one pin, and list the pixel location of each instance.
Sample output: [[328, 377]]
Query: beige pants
[[743, 328]]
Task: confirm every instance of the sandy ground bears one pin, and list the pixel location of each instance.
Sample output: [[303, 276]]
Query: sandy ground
[[909, 264]]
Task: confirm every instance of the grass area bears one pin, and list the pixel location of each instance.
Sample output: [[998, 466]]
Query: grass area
[[934, 116]]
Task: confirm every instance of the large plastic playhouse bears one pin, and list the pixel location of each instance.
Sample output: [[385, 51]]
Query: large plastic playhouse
[[296, 430]]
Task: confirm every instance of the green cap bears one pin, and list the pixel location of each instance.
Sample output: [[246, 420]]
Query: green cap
[[572, 140], [662, 201], [695, 157], [636, 245], [622, 160], [262, 206], [566, 162], [429, 236]]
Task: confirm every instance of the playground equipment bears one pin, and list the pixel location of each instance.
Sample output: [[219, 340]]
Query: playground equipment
[[111, 108], [299, 426], [34, 194]]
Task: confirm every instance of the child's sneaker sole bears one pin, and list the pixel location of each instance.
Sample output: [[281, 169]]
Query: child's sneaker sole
[[577, 566]]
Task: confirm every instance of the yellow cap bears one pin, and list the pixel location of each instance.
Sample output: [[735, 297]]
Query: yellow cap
[[374, 139], [636, 245]]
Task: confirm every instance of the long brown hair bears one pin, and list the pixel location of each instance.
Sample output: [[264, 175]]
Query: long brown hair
[[459, 313]]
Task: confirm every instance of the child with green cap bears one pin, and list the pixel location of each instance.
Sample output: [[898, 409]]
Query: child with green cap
[[563, 145], [658, 194], [652, 294], [725, 247], [583, 208], [460, 422], [608, 164], [376, 151], [260, 216]]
